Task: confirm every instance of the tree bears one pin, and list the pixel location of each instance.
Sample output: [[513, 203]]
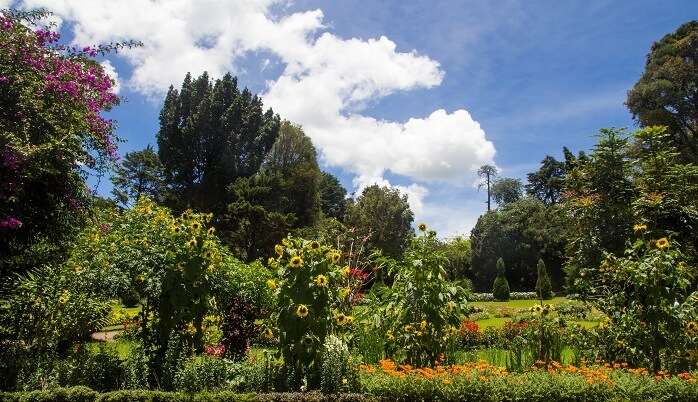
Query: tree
[[333, 197], [543, 287], [547, 183], [487, 173], [667, 91], [457, 252], [211, 133], [500, 287], [52, 133], [383, 215], [521, 233], [140, 173], [506, 190]]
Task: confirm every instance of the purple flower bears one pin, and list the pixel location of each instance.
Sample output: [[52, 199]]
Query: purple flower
[[10, 222]]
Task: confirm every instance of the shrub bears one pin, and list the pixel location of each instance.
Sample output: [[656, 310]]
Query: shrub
[[202, 373], [339, 372], [470, 334], [544, 288], [500, 288], [238, 328]]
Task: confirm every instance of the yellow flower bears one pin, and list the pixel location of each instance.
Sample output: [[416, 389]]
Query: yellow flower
[[196, 226], [268, 333], [140, 278], [334, 256], [662, 243], [321, 281], [271, 284], [408, 328], [341, 319], [692, 326], [191, 329], [344, 292], [63, 298], [176, 229], [279, 249], [296, 262], [350, 319], [423, 325], [390, 335], [210, 231], [346, 271], [422, 227], [271, 261], [314, 245], [191, 243], [538, 309], [639, 227], [302, 311]]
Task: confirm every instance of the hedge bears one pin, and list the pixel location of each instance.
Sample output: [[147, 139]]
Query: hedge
[[84, 394]]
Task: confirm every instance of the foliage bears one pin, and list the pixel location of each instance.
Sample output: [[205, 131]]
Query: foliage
[[506, 190], [543, 287], [664, 93], [548, 182], [645, 295], [421, 312], [457, 252], [51, 126], [382, 215], [211, 133], [333, 196], [521, 233], [139, 173], [202, 373], [238, 327], [310, 305], [512, 296], [487, 175], [500, 287]]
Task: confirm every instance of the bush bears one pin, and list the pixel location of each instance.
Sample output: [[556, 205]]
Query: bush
[[339, 372], [544, 288], [238, 328], [500, 288], [202, 373]]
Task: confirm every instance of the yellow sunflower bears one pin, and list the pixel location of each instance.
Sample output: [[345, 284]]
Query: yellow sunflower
[[344, 292], [191, 243], [196, 226], [321, 281], [334, 256], [271, 284], [662, 243], [408, 328], [639, 227], [341, 319], [390, 335], [210, 231], [296, 262], [268, 333], [279, 249], [350, 319], [302, 311], [314, 245], [423, 325], [692, 326], [422, 227], [346, 271]]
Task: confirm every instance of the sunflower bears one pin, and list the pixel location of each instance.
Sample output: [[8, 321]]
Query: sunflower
[[271, 284], [390, 335], [538, 309], [662, 243], [346, 271], [271, 261], [209, 254], [279, 249], [321, 281], [344, 292], [140, 278], [423, 325], [341, 319], [176, 229], [63, 298], [314, 245], [350, 319], [210, 231], [639, 227], [302, 311], [545, 311], [334, 256], [296, 261], [692, 326], [191, 243], [196, 226], [268, 333], [408, 328], [422, 227]]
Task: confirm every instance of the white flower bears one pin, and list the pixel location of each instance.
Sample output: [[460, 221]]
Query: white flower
[[417, 263]]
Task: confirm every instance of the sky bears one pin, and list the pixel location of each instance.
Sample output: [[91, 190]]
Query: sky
[[415, 95]]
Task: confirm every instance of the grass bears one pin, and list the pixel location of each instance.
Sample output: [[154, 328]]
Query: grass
[[518, 303], [497, 322]]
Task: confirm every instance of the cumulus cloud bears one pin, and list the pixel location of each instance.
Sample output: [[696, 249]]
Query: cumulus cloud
[[327, 85], [111, 72]]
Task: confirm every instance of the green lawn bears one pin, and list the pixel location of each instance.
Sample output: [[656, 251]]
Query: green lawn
[[498, 322], [518, 303]]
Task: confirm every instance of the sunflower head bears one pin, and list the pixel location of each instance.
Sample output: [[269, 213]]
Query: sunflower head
[[422, 227], [314, 245], [268, 333], [408, 328], [210, 231], [279, 249], [390, 335], [692, 326], [545, 311], [639, 227], [321, 281], [662, 243], [196, 226], [423, 325], [344, 292], [538, 309], [346, 271], [209, 254], [296, 261], [350, 319], [271, 284], [302, 311], [191, 243], [177, 229], [334, 256], [341, 319]]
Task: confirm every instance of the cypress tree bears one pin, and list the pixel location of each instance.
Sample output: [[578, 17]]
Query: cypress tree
[[500, 288], [543, 286]]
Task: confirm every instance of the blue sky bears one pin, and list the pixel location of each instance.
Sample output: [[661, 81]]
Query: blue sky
[[535, 75]]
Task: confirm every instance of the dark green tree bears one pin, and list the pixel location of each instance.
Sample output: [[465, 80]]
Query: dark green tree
[[543, 286], [139, 173], [521, 232], [382, 215], [506, 190], [487, 174], [333, 197], [457, 253], [500, 287], [211, 133], [547, 183], [667, 91]]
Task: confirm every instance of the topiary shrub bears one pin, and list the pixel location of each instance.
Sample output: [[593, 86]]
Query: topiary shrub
[[500, 288], [543, 287]]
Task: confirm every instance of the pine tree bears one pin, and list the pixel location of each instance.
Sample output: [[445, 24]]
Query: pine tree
[[543, 286], [500, 288]]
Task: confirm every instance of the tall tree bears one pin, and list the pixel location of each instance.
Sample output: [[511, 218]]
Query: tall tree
[[333, 197], [667, 92], [383, 215], [139, 173], [547, 183], [210, 134], [506, 190], [487, 174]]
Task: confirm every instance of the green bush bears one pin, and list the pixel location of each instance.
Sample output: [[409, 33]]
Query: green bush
[[543, 286], [202, 373], [339, 371], [500, 288]]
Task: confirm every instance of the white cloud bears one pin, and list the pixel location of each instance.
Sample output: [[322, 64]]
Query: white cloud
[[111, 72], [327, 84]]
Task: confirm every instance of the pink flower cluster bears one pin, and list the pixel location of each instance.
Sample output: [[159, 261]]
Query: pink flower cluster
[[215, 351], [358, 274], [10, 222]]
